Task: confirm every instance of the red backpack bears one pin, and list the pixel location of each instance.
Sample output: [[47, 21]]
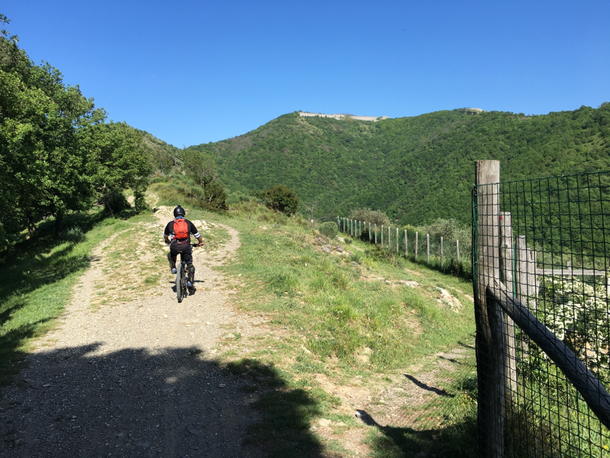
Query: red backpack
[[181, 229]]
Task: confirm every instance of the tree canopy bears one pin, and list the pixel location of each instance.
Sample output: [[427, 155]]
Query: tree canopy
[[57, 153]]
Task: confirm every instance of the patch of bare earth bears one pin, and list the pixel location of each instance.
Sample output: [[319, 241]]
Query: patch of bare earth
[[129, 372]]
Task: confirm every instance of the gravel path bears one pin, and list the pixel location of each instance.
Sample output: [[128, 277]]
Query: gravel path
[[136, 379]]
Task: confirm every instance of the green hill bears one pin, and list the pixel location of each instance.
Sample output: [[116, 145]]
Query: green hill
[[417, 168]]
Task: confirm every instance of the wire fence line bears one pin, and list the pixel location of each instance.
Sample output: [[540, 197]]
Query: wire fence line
[[449, 256], [540, 276]]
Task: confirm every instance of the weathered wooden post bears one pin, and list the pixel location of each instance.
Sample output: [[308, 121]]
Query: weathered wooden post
[[489, 319], [370, 233], [457, 249], [416, 243], [389, 239], [527, 279], [441, 251], [507, 264], [382, 236], [427, 248], [397, 240], [375, 233], [406, 246]]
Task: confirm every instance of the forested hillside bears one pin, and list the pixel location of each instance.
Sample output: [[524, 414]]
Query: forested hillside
[[418, 168]]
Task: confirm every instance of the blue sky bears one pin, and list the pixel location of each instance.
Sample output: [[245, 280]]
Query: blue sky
[[192, 72]]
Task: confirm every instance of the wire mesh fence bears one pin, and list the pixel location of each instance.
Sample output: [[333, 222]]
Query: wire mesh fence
[[540, 273], [447, 254]]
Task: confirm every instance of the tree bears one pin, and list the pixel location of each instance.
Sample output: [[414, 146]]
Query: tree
[[200, 166], [120, 162], [280, 198], [56, 153], [215, 196]]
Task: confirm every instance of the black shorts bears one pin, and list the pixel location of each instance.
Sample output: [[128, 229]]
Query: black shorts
[[184, 249]]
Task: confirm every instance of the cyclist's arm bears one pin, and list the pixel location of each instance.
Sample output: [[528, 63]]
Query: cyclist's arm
[[167, 234], [196, 233]]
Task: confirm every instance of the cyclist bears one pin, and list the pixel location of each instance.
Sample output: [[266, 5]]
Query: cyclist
[[178, 235]]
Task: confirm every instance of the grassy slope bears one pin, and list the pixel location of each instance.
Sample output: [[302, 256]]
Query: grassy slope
[[348, 318], [344, 317], [417, 168]]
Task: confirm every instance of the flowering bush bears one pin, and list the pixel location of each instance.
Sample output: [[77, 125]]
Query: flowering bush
[[577, 312]]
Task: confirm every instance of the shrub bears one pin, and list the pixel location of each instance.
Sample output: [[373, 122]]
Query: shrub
[[280, 198], [74, 234], [329, 229], [348, 240], [215, 196], [370, 216]]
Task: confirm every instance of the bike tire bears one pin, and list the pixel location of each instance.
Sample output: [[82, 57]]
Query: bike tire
[[179, 280]]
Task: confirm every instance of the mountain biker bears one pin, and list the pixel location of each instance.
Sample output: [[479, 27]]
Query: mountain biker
[[178, 235]]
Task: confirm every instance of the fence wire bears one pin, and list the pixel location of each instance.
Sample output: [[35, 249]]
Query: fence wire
[[550, 252], [446, 254]]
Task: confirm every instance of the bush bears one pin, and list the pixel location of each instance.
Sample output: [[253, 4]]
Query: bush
[[370, 216], [329, 229], [348, 240], [215, 196], [280, 198], [74, 234]]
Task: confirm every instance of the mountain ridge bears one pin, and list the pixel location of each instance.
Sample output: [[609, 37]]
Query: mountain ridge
[[415, 168]]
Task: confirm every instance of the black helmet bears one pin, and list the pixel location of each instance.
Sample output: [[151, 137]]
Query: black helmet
[[179, 211]]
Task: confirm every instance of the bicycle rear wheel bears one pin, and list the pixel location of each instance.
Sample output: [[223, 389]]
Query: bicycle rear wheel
[[179, 281]]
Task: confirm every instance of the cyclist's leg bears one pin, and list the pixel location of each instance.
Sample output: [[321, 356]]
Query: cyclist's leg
[[187, 256], [171, 257]]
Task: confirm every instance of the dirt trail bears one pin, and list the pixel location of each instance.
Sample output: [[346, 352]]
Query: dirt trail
[[134, 379]]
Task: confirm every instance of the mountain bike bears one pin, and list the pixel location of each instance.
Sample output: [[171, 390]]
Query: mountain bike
[[182, 289]]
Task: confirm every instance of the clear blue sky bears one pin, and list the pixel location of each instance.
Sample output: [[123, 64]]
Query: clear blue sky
[[191, 72]]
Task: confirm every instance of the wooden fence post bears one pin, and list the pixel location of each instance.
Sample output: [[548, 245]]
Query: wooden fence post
[[457, 249], [526, 277], [369, 232], [406, 245], [397, 241], [416, 244], [375, 233], [382, 236], [389, 239], [427, 248], [490, 360], [507, 265], [441, 251]]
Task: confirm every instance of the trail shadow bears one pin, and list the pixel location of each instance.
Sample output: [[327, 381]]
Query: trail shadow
[[456, 440], [465, 345], [426, 387], [82, 402], [452, 360]]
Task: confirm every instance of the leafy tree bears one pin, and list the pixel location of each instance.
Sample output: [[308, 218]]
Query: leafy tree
[[56, 153], [215, 196], [370, 216], [120, 162], [280, 198], [200, 166]]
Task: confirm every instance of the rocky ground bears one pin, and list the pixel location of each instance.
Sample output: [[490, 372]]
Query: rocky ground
[[136, 376]]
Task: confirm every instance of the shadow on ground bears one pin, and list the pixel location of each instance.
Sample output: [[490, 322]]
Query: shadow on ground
[[77, 402]]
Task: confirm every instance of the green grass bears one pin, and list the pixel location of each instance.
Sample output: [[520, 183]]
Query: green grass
[[330, 315], [345, 316]]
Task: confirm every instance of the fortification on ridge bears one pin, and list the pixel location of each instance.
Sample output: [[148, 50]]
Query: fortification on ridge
[[343, 116]]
